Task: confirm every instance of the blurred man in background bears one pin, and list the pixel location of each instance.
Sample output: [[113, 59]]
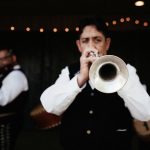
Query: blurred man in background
[[13, 95]]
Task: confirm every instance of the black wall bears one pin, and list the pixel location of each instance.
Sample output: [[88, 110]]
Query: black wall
[[43, 55]]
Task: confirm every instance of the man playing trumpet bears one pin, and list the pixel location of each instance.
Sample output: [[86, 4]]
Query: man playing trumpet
[[93, 120]]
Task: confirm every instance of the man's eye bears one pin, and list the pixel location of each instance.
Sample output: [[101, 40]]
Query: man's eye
[[98, 40], [84, 40]]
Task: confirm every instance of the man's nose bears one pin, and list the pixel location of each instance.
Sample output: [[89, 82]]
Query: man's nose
[[92, 44]]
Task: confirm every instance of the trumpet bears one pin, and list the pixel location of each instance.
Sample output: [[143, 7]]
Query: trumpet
[[108, 73]]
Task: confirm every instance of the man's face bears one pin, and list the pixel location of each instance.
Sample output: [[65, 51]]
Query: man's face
[[5, 59], [93, 40]]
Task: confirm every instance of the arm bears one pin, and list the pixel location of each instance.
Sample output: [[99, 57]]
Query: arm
[[13, 84], [57, 98], [135, 96]]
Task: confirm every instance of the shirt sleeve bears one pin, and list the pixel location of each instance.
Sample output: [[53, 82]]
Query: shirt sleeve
[[57, 98], [13, 84], [135, 96]]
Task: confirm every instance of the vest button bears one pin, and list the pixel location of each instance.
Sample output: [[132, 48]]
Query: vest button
[[92, 94], [91, 112], [88, 132]]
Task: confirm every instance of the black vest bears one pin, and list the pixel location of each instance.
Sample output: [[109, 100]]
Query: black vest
[[11, 118], [96, 121], [17, 105]]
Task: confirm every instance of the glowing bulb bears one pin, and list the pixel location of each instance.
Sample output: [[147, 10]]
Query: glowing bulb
[[107, 24], [41, 30], [55, 30], [66, 29], [77, 29], [28, 29], [114, 22], [128, 19], [145, 24], [12, 28], [139, 3], [122, 20], [137, 21]]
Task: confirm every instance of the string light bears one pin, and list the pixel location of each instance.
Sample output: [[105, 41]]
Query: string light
[[28, 29], [122, 20], [41, 30], [127, 19], [77, 29], [12, 28], [137, 21], [139, 3], [107, 24], [145, 24], [115, 23], [55, 29], [66, 29]]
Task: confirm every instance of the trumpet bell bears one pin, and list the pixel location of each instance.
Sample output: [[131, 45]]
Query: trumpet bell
[[108, 74]]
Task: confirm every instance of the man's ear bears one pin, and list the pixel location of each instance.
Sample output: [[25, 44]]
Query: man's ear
[[108, 41], [14, 58], [79, 46]]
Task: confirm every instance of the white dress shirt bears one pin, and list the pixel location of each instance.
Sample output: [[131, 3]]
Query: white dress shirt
[[12, 85], [57, 98]]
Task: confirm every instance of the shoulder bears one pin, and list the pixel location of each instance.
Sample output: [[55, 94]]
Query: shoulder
[[16, 73], [74, 67], [131, 68]]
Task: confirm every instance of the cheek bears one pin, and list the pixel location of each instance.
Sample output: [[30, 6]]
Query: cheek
[[83, 47], [102, 49]]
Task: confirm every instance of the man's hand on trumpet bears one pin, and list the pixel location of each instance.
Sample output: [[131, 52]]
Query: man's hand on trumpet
[[87, 58]]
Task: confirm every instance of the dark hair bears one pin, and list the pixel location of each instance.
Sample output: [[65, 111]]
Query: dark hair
[[10, 51], [98, 22]]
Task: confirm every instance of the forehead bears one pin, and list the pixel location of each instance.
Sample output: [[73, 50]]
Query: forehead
[[3, 52], [91, 31]]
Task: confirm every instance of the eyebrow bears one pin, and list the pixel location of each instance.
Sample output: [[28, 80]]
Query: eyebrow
[[91, 37]]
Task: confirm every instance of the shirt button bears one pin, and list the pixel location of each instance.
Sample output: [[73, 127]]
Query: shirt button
[[91, 112], [88, 132], [92, 94]]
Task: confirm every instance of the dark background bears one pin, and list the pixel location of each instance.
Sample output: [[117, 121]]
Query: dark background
[[43, 55]]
